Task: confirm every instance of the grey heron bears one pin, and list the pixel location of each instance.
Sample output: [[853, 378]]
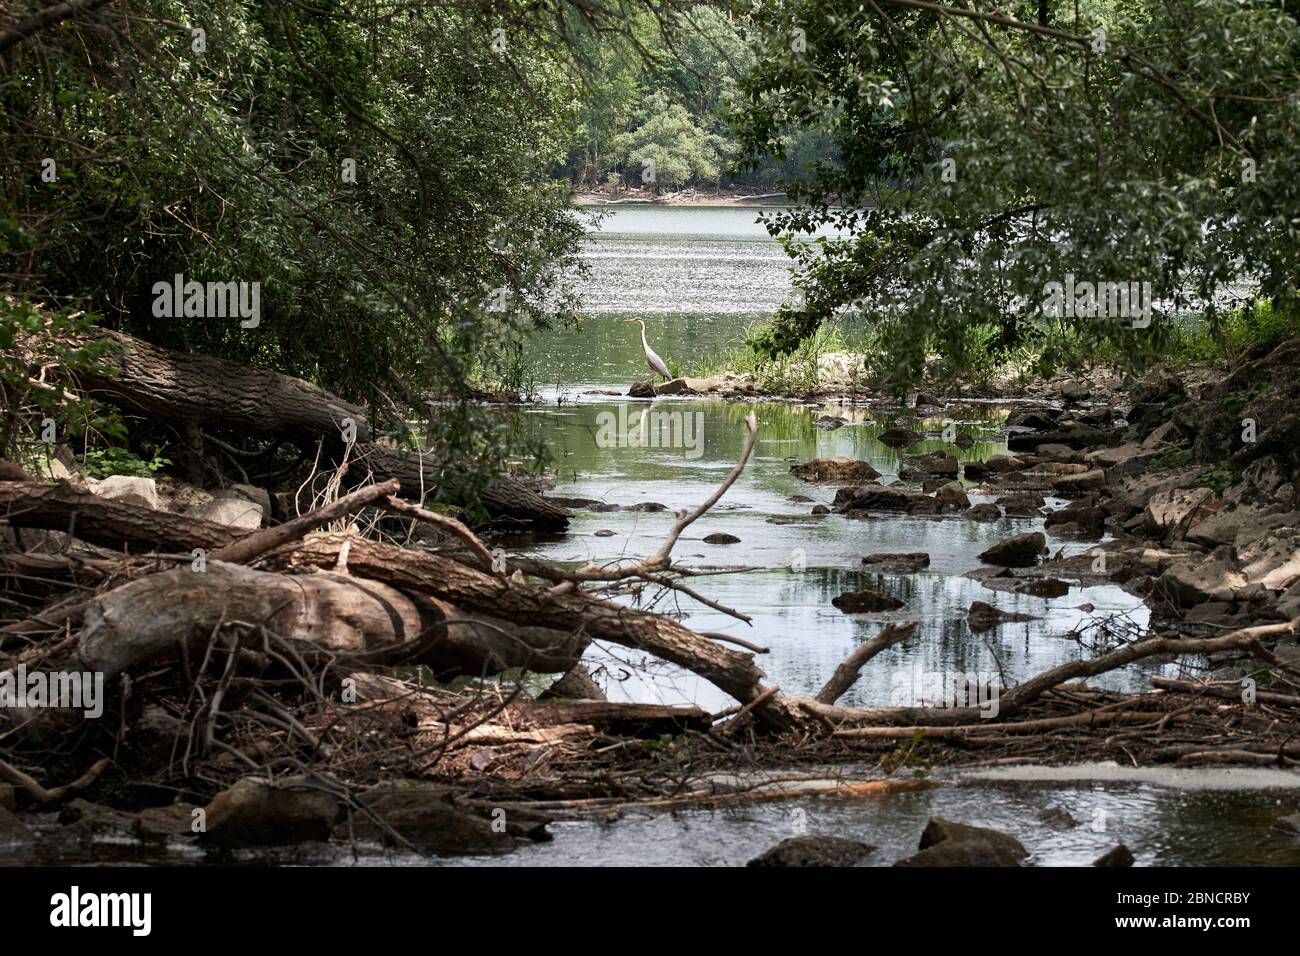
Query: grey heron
[[651, 359]]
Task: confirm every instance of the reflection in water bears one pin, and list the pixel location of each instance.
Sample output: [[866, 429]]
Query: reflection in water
[[799, 561]]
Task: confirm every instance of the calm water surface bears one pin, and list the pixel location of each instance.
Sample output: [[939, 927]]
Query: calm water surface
[[700, 278]]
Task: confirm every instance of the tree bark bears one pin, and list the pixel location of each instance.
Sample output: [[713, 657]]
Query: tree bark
[[190, 387], [476, 591], [105, 522], [333, 617], [506, 497]]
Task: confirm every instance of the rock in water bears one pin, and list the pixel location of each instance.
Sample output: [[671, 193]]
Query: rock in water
[[898, 437], [835, 470], [1119, 856], [1018, 551], [952, 493], [258, 813], [420, 813], [898, 563], [814, 851], [1042, 587], [1057, 819], [981, 617], [865, 602], [721, 537], [945, 843]]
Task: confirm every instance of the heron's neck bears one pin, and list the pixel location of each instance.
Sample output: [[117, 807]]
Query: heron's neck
[[643, 341]]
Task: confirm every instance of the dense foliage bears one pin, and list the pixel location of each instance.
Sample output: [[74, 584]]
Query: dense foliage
[[381, 174], [665, 93], [983, 157]]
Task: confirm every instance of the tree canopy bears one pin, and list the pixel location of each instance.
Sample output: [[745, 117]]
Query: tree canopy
[[982, 156]]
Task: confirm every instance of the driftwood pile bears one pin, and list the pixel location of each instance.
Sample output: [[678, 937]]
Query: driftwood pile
[[309, 647]]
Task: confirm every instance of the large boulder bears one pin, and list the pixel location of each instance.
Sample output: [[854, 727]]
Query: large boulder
[[421, 814], [1120, 855], [924, 466], [1171, 513], [1018, 551], [952, 494], [1111, 457], [128, 489], [233, 512], [814, 851], [875, 498], [256, 812], [945, 843], [1061, 453], [865, 602], [1078, 485], [1084, 522], [241, 492], [835, 470], [1076, 436], [1272, 560], [1020, 506], [1035, 418], [1003, 463], [1264, 499], [1212, 577]]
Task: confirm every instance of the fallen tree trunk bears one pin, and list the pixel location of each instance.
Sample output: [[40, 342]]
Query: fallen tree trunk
[[200, 389], [105, 522], [476, 591], [332, 617], [194, 389], [418, 473]]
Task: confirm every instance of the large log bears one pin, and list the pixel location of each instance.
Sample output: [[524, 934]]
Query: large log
[[189, 387], [105, 522], [337, 617], [506, 497], [422, 572]]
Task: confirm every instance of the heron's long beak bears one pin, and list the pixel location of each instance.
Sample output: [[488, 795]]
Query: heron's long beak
[[631, 321]]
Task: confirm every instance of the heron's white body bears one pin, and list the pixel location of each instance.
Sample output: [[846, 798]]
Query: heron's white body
[[652, 359]]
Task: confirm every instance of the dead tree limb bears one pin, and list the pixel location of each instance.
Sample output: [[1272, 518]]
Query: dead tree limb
[[847, 673], [252, 546], [1247, 639]]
